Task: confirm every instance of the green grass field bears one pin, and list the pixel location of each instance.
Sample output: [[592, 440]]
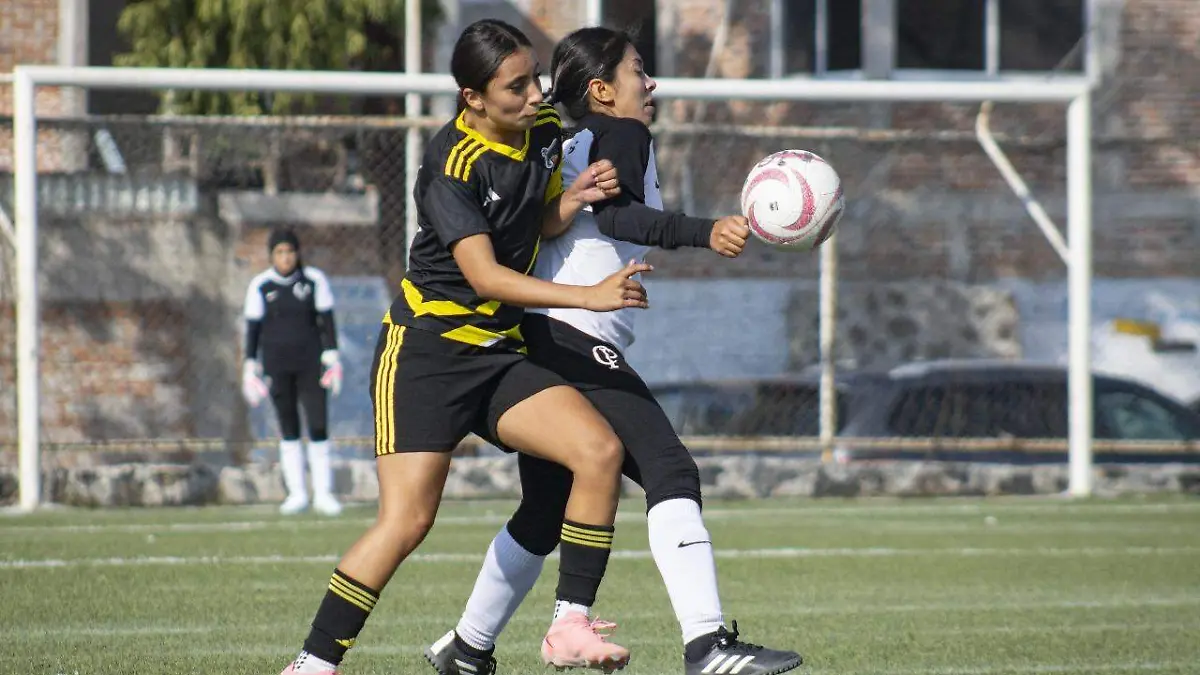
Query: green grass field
[[942, 587]]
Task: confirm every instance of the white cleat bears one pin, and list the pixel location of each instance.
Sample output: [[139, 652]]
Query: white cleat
[[293, 504], [327, 505]]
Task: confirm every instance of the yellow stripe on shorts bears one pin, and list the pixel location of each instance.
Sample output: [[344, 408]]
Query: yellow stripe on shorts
[[385, 392]]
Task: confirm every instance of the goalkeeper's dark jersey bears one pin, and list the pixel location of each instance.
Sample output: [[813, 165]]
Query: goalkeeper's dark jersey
[[469, 185]]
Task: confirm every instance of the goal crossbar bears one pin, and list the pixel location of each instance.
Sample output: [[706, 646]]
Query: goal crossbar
[[1013, 90], [1073, 90]]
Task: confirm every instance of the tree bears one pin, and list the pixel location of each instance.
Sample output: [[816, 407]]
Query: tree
[[269, 34]]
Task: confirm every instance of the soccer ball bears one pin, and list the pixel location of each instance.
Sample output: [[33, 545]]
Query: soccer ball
[[793, 199]]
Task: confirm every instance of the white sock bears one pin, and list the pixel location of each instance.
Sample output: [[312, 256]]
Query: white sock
[[291, 463], [562, 607], [508, 574], [321, 468], [683, 551], [307, 663]]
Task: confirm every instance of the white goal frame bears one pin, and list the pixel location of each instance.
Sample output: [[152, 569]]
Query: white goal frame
[[1073, 90]]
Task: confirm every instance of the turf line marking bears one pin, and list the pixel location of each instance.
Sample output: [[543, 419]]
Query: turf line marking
[[33, 634], [1035, 669], [899, 511], [1086, 552]]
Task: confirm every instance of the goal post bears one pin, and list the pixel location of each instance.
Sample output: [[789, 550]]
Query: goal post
[[1073, 91]]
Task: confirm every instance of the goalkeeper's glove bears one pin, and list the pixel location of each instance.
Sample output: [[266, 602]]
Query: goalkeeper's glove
[[254, 387], [331, 377]]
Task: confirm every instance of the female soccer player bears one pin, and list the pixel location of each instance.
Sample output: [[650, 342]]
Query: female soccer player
[[450, 358], [599, 78], [289, 321]]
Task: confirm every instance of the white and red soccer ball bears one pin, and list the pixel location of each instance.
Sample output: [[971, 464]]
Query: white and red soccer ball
[[793, 199]]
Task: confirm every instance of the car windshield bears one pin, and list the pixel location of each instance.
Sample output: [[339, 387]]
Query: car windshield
[[764, 409]]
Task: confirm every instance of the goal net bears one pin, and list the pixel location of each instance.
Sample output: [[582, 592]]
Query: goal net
[[149, 228]]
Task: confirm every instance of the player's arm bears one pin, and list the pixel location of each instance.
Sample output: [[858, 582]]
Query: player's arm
[[254, 310], [597, 183], [254, 389], [637, 223], [491, 280], [627, 218], [323, 303], [331, 363], [459, 223]]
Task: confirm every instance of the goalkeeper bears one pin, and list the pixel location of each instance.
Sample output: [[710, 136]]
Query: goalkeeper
[[291, 357]]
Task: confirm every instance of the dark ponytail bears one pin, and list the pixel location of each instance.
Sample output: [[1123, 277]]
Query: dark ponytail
[[480, 50], [585, 55]]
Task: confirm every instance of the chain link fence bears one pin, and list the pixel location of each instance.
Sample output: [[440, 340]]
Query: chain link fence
[[150, 230], [152, 227]]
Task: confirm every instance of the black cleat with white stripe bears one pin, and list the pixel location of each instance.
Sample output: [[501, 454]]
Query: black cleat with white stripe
[[451, 656], [721, 653]]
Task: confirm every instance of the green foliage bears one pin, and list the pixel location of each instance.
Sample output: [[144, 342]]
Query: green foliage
[[270, 34]]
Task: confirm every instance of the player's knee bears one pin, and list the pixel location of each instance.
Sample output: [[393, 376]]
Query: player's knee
[[599, 455], [536, 528], [407, 528]]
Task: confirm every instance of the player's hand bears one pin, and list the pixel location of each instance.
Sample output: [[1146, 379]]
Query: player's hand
[[619, 290], [729, 236], [596, 183], [254, 387], [331, 377]]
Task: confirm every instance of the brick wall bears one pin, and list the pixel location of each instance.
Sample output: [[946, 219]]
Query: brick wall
[[140, 323], [29, 36]]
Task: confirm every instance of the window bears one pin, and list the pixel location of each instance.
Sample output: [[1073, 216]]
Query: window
[[1131, 416], [991, 36], [815, 36], [766, 409], [940, 34], [1041, 35], [638, 18], [976, 37], [784, 410], [1004, 410], [701, 410]]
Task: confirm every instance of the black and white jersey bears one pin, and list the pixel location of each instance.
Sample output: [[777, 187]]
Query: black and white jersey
[[469, 185], [606, 236], [289, 320]]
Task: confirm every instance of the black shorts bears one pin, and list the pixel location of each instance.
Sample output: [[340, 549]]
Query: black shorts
[[429, 392], [655, 458]]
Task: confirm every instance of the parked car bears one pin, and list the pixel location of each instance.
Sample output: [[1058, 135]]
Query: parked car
[[939, 400]]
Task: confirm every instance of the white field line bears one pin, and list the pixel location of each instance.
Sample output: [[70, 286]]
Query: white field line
[[897, 511], [1037, 669], [790, 552], [87, 632]]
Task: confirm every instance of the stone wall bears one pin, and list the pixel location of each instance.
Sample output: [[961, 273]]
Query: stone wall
[[885, 325], [741, 477]]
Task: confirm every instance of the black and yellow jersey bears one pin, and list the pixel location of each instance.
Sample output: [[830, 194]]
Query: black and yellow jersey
[[469, 185]]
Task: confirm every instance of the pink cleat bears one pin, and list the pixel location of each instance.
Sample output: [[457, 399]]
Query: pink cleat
[[575, 642]]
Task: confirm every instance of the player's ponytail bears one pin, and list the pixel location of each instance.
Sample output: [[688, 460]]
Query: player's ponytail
[[587, 54], [480, 50]]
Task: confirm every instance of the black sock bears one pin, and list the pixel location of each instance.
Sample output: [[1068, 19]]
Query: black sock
[[583, 558], [469, 650], [340, 618]]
